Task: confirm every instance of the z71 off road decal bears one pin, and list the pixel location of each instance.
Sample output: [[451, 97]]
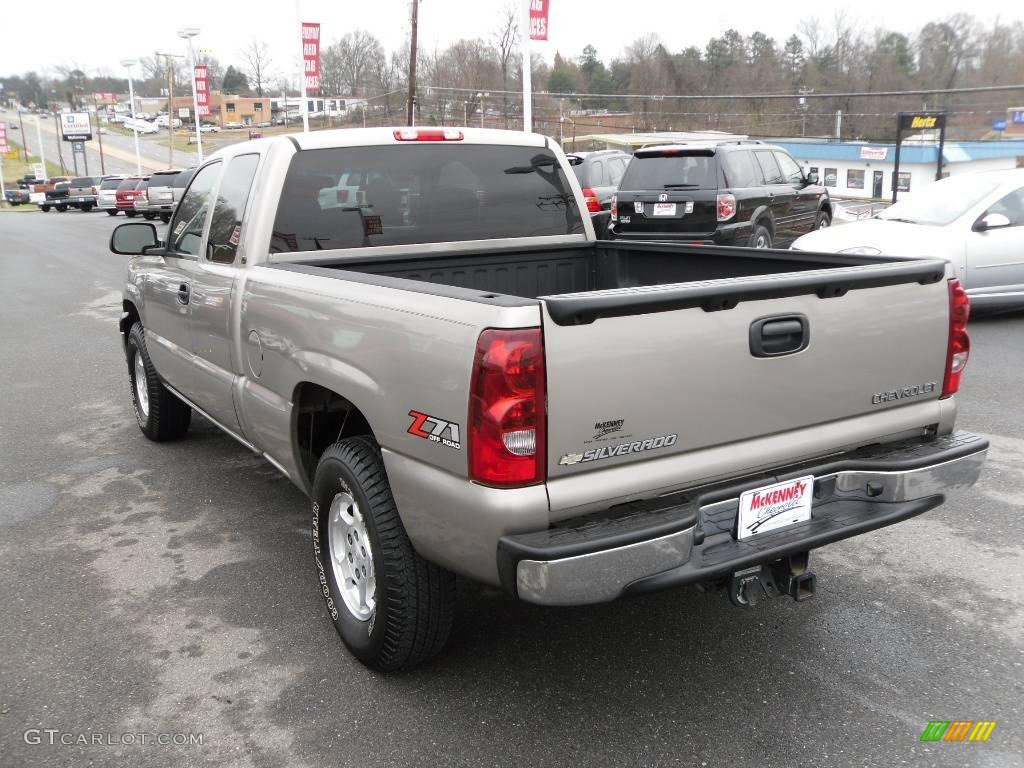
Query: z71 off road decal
[[608, 451], [432, 428]]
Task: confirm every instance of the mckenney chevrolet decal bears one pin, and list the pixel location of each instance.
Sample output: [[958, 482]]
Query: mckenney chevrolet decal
[[608, 451]]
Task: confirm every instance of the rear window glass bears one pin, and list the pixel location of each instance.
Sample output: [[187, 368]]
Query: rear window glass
[[111, 184], [182, 179], [740, 169], [127, 184], [352, 197], [82, 181], [162, 179], [672, 171]]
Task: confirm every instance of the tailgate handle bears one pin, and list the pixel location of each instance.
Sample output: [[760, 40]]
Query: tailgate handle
[[779, 335]]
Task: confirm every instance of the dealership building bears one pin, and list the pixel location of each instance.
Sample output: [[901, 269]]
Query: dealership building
[[864, 171]]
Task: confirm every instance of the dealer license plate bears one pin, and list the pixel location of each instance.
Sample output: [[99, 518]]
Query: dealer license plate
[[775, 506], [664, 209]]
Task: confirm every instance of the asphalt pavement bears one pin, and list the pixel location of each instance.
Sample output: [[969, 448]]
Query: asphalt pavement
[[169, 589]]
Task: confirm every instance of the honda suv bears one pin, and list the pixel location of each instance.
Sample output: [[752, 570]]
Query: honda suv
[[745, 193]]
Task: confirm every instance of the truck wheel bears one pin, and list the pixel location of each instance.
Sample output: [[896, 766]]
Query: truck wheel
[[149, 216], [760, 237], [62, 208], [86, 208], [111, 212], [130, 214], [161, 415], [45, 208], [823, 221], [165, 218], [391, 607]]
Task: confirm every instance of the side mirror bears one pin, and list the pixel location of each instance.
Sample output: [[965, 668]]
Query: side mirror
[[991, 221], [133, 238], [812, 177], [574, 159]]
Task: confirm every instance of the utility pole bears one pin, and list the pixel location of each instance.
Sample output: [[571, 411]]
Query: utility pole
[[99, 133], [42, 154], [170, 102], [411, 103], [804, 90], [60, 153]]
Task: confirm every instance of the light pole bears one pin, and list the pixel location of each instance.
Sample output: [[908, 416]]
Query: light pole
[[186, 34], [128, 64]]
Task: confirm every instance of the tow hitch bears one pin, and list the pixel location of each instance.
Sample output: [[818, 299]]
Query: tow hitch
[[788, 576]]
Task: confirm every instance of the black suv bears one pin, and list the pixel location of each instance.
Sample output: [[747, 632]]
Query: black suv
[[745, 193]]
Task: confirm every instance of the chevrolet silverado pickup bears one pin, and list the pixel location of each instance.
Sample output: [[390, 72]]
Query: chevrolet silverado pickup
[[419, 329]]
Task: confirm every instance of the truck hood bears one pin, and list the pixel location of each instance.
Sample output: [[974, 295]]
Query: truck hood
[[890, 238]]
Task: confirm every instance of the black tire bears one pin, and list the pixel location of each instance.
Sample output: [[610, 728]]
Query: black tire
[[111, 211], [823, 220], [45, 208], [165, 218], [130, 214], [414, 599], [86, 208], [62, 208], [760, 237], [165, 417], [149, 216]]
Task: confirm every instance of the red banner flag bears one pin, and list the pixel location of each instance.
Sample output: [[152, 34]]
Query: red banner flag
[[539, 19], [311, 55], [203, 90], [3, 138]]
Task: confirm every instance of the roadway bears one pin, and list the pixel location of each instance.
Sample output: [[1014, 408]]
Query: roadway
[[169, 588]]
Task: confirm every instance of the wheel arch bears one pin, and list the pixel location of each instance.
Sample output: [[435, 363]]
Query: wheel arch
[[321, 417], [763, 215]]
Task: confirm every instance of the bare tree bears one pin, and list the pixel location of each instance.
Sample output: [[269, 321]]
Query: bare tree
[[506, 37], [353, 59], [257, 64]]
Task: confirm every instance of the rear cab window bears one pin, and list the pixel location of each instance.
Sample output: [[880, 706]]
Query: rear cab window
[[127, 184], [111, 184], [182, 179], [403, 195]]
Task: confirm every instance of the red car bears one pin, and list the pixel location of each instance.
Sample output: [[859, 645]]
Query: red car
[[127, 193]]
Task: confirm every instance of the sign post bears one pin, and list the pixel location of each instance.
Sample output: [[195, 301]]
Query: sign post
[[918, 121], [535, 21]]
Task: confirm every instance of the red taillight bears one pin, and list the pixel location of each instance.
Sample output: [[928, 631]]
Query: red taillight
[[94, 191], [590, 197], [428, 134], [959, 348], [342, 195], [726, 207], [615, 207], [507, 402]]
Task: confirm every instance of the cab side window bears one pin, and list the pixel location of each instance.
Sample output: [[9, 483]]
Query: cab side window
[[186, 231], [1011, 206], [226, 227]]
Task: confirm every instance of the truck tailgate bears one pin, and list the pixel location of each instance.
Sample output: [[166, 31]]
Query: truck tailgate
[[669, 377]]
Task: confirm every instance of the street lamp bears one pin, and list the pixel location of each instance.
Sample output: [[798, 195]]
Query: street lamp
[[186, 34], [128, 64]]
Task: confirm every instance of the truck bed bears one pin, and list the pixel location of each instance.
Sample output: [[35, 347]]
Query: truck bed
[[605, 279]]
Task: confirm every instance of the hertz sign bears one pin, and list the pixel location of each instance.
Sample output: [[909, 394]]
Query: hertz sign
[[921, 122]]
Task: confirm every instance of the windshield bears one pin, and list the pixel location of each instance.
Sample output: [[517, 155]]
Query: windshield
[[942, 202]]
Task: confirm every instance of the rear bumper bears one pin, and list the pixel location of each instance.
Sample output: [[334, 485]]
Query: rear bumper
[[689, 537]]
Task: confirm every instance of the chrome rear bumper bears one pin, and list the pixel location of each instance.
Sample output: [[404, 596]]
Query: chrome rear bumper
[[690, 537]]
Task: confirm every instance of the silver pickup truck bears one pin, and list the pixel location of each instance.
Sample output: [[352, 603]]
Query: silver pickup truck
[[419, 329]]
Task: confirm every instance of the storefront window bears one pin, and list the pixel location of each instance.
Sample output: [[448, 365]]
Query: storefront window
[[854, 179], [831, 177], [903, 182]]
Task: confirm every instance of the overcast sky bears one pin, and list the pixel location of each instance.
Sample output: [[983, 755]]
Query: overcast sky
[[98, 36]]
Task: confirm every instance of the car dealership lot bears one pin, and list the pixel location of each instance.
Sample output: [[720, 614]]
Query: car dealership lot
[[168, 588]]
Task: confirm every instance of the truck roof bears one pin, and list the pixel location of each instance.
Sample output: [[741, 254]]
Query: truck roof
[[344, 137]]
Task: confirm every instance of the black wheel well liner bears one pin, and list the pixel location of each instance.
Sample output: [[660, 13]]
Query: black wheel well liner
[[321, 417]]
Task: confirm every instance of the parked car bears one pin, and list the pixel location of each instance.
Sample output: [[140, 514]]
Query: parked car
[[106, 200], [209, 128], [127, 193], [56, 197], [744, 193], [84, 192], [464, 381], [159, 195], [976, 221], [599, 174], [141, 202], [17, 196]]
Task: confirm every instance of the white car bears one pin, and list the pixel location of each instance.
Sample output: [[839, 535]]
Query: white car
[[975, 221]]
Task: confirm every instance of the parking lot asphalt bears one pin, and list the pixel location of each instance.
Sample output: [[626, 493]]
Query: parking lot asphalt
[[170, 588]]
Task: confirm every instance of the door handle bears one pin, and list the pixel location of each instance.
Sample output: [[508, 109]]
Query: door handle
[[183, 293], [779, 335]]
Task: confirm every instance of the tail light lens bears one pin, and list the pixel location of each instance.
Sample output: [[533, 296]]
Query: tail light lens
[[94, 191], [342, 195], [428, 134], [959, 348], [615, 207], [590, 196], [507, 402], [726, 207]]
